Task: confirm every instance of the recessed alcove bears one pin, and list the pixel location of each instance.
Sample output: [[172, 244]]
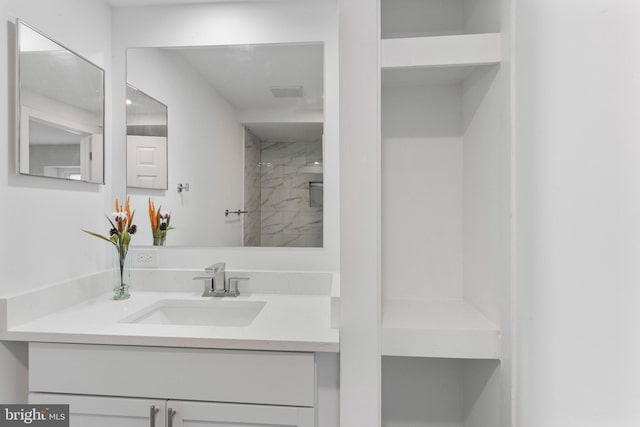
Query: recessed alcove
[[445, 203]]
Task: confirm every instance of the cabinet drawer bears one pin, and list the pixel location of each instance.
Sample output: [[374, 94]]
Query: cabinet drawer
[[272, 378]]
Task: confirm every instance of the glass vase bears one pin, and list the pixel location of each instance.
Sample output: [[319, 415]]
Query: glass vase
[[122, 273]]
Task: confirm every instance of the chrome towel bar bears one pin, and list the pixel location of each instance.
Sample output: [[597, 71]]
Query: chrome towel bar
[[237, 212]]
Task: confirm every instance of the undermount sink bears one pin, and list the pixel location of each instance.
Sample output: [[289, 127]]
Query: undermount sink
[[216, 312]]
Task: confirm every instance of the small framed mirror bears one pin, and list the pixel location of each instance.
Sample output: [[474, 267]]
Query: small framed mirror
[[60, 110], [146, 141]]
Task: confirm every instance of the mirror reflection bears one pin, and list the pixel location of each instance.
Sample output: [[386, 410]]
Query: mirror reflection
[[61, 110], [245, 166], [146, 141]]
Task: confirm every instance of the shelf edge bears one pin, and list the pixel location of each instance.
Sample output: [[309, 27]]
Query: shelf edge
[[441, 343], [440, 51]]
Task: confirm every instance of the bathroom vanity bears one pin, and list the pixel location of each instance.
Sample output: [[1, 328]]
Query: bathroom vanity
[[169, 356], [142, 386]]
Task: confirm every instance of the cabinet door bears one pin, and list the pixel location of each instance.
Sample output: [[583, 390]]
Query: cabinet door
[[201, 414], [92, 411]]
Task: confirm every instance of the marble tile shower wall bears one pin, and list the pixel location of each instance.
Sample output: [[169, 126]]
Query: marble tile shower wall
[[286, 217], [252, 182]]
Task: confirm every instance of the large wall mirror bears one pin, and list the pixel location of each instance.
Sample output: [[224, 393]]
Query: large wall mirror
[[245, 153], [60, 110]]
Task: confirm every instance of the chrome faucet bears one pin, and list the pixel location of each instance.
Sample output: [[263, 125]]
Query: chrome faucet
[[214, 280], [216, 283]]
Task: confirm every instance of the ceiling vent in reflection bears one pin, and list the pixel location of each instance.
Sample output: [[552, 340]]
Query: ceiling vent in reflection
[[287, 91]]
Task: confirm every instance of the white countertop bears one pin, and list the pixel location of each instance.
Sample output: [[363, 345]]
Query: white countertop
[[287, 322]]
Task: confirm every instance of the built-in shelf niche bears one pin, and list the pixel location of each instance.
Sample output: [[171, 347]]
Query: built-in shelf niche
[[445, 203], [425, 18], [440, 392], [444, 211]]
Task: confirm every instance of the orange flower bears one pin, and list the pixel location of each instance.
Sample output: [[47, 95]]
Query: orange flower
[[122, 227], [128, 211], [152, 215], [120, 224], [126, 223]]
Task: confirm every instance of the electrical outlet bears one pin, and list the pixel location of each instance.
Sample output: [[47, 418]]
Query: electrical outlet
[[145, 258]]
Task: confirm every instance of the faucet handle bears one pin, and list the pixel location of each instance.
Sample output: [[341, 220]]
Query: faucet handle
[[233, 286], [209, 282], [219, 266]]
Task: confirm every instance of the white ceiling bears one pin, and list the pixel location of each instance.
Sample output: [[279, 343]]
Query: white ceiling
[[244, 74], [141, 103], [287, 132], [51, 71], [41, 133], [63, 77]]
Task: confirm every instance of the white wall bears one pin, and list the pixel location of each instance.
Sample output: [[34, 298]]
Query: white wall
[[410, 18], [360, 360], [228, 24], [578, 212], [422, 153], [41, 219], [205, 149], [486, 191], [445, 191]]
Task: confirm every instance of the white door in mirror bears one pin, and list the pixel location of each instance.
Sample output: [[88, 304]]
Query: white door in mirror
[[147, 162]]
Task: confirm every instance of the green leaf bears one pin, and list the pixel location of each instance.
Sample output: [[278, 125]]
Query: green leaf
[[126, 238], [99, 236]]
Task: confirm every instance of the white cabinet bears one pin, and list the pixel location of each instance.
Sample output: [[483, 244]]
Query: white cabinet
[[109, 385], [94, 411], [192, 414], [98, 411]]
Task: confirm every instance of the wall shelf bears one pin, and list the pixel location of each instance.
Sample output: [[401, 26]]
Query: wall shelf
[[443, 329], [445, 261], [465, 49]]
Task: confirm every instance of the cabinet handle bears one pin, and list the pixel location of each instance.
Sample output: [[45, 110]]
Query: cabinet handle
[[170, 414], [152, 415]]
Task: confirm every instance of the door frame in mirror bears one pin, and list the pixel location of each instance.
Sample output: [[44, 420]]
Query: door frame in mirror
[[164, 156], [94, 157]]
